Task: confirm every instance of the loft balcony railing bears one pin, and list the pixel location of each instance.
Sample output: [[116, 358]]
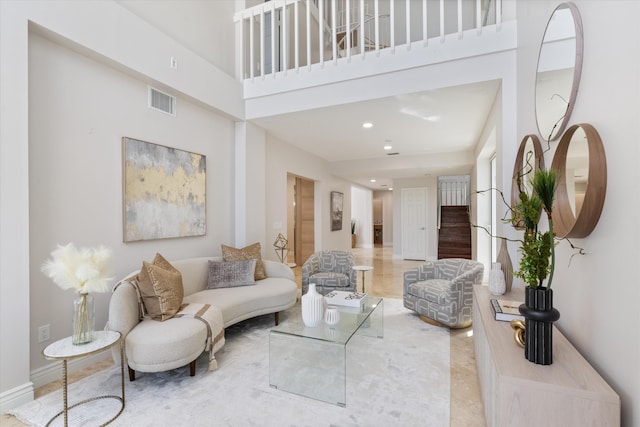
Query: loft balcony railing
[[282, 35]]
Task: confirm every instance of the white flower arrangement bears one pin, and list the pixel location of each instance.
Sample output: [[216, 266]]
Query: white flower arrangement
[[84, 270]]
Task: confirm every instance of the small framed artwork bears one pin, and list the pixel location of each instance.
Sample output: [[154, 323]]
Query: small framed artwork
[[164, 192], [337, 201]]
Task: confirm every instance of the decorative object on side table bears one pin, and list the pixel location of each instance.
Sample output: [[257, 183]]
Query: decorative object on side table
[[346, 299], [505, 265], [506, 310], [313, 306], [497, 284], [331, 316], [281, 245], [518, 331], [537, 265], [85, 270]]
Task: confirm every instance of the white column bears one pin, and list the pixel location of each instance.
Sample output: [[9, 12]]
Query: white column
[[15, 385]]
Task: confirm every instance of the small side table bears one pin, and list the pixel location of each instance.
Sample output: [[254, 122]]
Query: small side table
[[362, 268], [64, 350]]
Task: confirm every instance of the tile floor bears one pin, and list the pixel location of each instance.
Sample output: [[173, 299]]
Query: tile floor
[[385, 281]]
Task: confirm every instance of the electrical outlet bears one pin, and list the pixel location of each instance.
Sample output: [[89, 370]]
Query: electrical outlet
[[44, 333]]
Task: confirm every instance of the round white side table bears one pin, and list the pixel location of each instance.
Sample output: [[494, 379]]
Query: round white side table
[[64, 350], [362, 268]]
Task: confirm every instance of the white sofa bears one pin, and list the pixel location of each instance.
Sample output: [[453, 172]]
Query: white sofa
[[154, 346]]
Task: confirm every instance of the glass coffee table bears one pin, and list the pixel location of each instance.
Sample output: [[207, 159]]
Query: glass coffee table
[[312, 362]]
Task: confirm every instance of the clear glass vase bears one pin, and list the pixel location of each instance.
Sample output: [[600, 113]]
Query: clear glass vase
[[84, 320]]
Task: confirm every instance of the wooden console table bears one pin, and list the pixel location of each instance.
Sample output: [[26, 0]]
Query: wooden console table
[[516, 392]]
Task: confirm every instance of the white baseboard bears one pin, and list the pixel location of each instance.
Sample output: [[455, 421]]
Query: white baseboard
[[16, 396], [53, 371], [42, 376]]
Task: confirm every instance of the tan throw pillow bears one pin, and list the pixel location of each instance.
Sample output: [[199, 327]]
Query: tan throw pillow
[[160, 286], [231, 274], [248, 252]]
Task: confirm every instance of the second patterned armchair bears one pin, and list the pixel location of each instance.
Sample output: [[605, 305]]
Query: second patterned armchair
[[442, 291], [329, 270]]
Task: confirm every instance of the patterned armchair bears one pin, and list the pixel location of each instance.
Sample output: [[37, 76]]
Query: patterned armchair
[[442, 291], [329, 270]]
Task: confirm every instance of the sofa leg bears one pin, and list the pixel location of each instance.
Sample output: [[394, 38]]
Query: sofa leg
[[277, 317], [132, 374], [192, 368]]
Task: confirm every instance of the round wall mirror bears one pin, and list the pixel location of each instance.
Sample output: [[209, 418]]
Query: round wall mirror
[[529, 158], [581, 169], [559, 69]]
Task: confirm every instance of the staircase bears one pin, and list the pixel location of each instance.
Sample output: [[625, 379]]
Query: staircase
[[454, 239]]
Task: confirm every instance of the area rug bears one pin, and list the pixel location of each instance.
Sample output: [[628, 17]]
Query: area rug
[[401, 380]]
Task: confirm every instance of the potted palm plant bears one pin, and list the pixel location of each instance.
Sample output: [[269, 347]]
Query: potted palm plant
[[537, 264]]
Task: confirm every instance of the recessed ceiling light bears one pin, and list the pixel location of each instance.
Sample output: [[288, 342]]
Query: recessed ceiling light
[[388, 147], [372, 180], [390, 188], [367, 125]]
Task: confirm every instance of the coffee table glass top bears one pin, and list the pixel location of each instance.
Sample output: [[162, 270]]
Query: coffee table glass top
[[351, 320], [312, 362]]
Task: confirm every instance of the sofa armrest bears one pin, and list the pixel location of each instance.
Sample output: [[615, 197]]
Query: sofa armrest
[[277, 269], [124, 312], [462, 285]]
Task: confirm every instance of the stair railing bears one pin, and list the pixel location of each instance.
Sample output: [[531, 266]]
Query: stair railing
[[368, 43], [454, 191]]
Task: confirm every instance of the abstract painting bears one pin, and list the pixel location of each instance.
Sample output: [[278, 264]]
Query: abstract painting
[[336, 210], [164, 191]]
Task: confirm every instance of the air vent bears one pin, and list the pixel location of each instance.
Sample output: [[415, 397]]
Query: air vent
[[162, 101], [392, 154]]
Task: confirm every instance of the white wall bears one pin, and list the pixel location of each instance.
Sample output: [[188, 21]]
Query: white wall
[[203, 27], [362, 212], [78, 111], [250, 192], [386, 199], [103, 32], [283, 158], [597, 294], [490, 143]]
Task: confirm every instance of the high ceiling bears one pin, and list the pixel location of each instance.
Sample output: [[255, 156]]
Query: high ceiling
[[433, 133]]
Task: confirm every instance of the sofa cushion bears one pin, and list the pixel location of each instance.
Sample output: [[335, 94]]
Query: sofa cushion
[[154, 346], [433, 290], [230, 274], [160, 286], [248, 252], [268, 296]]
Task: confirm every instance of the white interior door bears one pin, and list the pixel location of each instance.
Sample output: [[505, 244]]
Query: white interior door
[[414, 223]]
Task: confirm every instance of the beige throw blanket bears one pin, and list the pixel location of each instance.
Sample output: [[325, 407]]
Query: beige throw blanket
[[212, 317]]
